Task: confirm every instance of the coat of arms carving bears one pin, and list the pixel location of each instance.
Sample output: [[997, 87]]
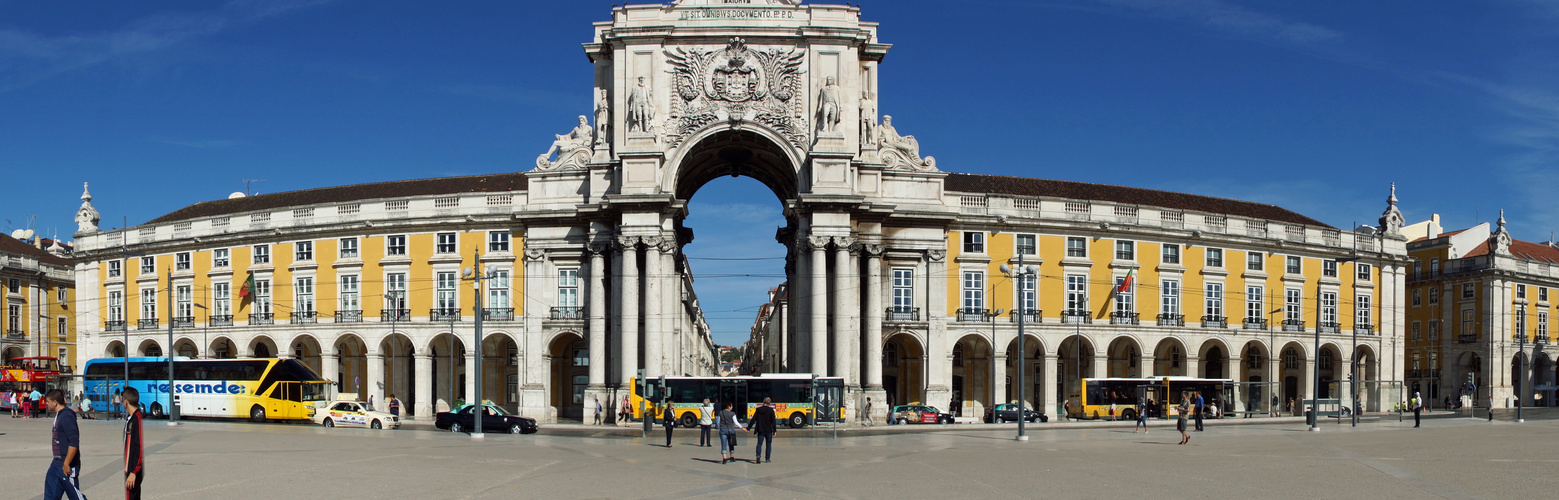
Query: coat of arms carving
[[736, 84]]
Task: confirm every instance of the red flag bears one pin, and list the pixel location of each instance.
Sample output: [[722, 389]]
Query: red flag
[[1126, 282], [248, 287]]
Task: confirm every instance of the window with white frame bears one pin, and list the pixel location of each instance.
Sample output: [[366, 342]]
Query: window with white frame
[[181, 261], [1125, 250], [1026, 244], [1542, 294], [1169, 296], [222, 299], [1434, 329], [1077, 247], [498, 241], [115, 268], [974, 291], [1329, 268], [1434, 295], [1469, 291], [1254, 261], [1255, 303], [61, 326], [1363, 271], [1467, 323], [116, 306], [1124, 297], [60, 295], [348, 248], [1170, 254], [1028, 295], [446, 243], [14, 285], [1214, 296], [148, 303], [303, 298], [1521, 292], [1077, 295], [1214, 257], [445, 287], [1418, 268], [262, 254], [974, 242], [1417, 297], [303, 250], [395, 291], [498, 290], [1329, 308], [148, 265], [395, 244], [14, 318], [220, 258], [262, 297], [903, 289], [350, 297], [1521, 321], [1361, 311], [1293, 304], [1417, 331], [1434, 267], [1542, 323], [64, 355], [568, 288], [1293, 265], [183, 301]]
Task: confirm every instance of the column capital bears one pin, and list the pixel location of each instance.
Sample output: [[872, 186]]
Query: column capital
[[936, 255], [873, 250], [815, 243], [844, 242], [535, 254], [598, 247], [623, 243]]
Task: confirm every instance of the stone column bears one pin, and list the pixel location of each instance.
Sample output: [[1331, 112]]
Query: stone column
[[597, 326], [796, 307], [654, 328], [1193, 365], [424, 387], [1100, 366], [469, 393], [874, 310], [999, 378], [628, 284], [1049, 397], [374, 386], [843, 310], [819, 304], [329, 365]]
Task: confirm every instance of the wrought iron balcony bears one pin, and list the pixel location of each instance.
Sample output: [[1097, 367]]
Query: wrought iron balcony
[[1329, 328], [15, 334], [902, 314], [567, 313], [1540, 339], [1467, 338], [1254, 324], [262, 318], [1211, 321], [444, 314], [1366, 329], [498, 314], [302, 317], [115, 326], [1029, 316], [147, 324], [389, 315], [1076, 317], [353, 316], [972, 314], [1166, 319], [1293, 325], [224, 320], [1123, 318], [184, 322]]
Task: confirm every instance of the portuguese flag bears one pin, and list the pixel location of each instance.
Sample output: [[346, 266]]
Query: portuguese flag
[[248, 288], [1126, 282]]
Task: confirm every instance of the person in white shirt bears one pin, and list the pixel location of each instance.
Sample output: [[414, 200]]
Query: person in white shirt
[[706, 418]]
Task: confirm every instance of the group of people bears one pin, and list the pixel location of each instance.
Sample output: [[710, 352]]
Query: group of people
[[26, 405], [63, 479], [763, 425]]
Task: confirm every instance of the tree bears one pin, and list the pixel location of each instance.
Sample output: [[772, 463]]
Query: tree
[[733, 354]]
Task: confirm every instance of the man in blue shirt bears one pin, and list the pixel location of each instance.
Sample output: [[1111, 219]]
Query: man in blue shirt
[[1200, 407], [63, 478]]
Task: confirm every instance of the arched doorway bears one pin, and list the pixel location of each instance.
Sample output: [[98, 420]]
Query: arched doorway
[[399, 369], [501, 370], [1031, 362], [1518, 377], [971, 376], [1074, 359], [569, 373], [1213, 359], [262, 347], [903, 369], [1169, 358], [1254, 362], [305, 348], [352, 366], [1330, 364], [221, 348], [1125, 358], [150, 348], [1291, 373], [1542, 376], [115, 349], [186, 347], [11, 353], [449, 364]]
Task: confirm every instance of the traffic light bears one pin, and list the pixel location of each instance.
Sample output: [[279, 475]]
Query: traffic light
[[1472, 380]]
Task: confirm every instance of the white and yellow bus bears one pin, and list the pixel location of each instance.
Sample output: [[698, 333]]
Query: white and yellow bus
[[258, 389], [799, 398]]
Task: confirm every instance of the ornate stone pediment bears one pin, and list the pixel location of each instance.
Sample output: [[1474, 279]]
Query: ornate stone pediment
[[736, 84]]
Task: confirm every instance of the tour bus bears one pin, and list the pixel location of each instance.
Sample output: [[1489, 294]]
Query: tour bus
[[1099, 395], [259, 389], [798, 398], [28, 374]]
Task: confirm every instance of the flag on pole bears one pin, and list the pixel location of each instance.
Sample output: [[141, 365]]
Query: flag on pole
[[247, 289], [1126, 282]]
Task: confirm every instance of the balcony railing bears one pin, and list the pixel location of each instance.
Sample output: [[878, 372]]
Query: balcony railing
[[115, 326], [1293, 325], [302, 317], [1123, 318], [445, 314], [1210, 321], [902, 314], [1029, 316], [498, 314], [1076, 317], [1366, 329], [262, 318], [1329, 328], [1167, 319], [355, 316], [389, 315], [972, 314], [1254, 324], [147, 324], [184, 322], [1467, 338], [568, 313], [15, 334], [224, 320], [1540, 339]]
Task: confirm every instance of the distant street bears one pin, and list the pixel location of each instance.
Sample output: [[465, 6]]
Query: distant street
[[1449, 458]]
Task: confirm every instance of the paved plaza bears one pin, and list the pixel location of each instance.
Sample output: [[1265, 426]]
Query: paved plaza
[[1449, 458]]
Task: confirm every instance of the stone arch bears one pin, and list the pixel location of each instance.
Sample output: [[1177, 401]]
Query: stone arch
[[262, 346], [1518, 379], [399, 355], [186, 347], [449, 367], [352, 365], [754, 150], [306, 348], [1291, 372], [501, 369], [1255, 357], [1169, 357], [1332, 367], [1125, 357], [568, 374], [971, 373], [1032, 364], [1074, 358], [149, 348], [221, 347], [114, 349], [13, 352], [1213, 359], [1364, 355], [903, 368], [1542, 375]]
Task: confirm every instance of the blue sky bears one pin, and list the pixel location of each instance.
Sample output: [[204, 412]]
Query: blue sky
[[1312, 105]]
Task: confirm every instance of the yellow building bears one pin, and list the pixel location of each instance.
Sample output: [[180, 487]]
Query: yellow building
[[1479, 305], [38, 301]]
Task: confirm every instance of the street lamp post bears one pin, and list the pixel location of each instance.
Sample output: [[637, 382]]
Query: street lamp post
[[173, 398], [394, 296], [476, 277], [1521, 343], [1024, 273]]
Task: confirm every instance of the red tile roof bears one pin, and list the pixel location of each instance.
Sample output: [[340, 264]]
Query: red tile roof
[[980, 183], [355, 192], [1539, 252], [13, 245]]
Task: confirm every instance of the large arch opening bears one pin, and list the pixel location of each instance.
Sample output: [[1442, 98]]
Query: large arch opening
[[570, 374], [903, 369], [971, 376], [1125, 358], [1031, 364]]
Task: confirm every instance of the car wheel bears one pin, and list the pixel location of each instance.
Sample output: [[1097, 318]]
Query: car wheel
[[455, 427], [797, 420], [330, 423], [257, 413], [156, 410], [516, 429], [688, 420], [1129, 415], [376, 425]]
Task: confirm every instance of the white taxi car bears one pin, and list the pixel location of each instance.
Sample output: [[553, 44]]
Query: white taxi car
[[346, 413]]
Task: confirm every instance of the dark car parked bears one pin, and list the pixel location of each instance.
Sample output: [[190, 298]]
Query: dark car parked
[[496, 419], [1003, 413]]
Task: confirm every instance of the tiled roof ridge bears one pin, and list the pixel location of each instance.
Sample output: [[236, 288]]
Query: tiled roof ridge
[[13, 245], [1283, 214], [347, 193]]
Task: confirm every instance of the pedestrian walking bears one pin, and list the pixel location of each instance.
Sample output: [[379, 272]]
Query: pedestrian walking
[[728, 427], [706, 419], [26, 406], [1274, 409], [86, 407], [763, 428], [598, 411], [1201, 408], [38, 406], [1185, 408], [668, 419], [62, 480], [1066, 409], [868, 415], [1142, 419], [624, 412], [16, 411], [1417, 403], [395, 407], [371, 402], [135, 447]]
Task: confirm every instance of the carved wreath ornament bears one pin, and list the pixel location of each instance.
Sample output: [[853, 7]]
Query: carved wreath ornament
[[736, 84]]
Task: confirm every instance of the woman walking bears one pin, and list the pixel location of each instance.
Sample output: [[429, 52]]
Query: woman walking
[[728, 427], [669, 420], [1184, 410], [1142, 418]]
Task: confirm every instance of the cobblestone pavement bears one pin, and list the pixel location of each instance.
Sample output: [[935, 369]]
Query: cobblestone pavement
[[1448, 458]]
